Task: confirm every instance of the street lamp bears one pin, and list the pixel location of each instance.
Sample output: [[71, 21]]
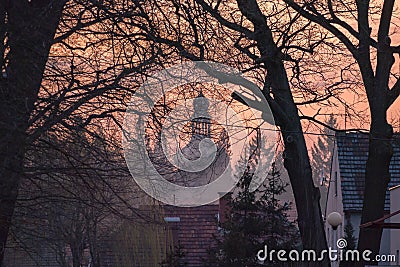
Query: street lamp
[[334, 219]]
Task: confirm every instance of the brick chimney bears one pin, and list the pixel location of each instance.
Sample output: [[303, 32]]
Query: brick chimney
[[224, 207]]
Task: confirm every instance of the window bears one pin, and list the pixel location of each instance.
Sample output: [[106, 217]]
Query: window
[[336, 184]]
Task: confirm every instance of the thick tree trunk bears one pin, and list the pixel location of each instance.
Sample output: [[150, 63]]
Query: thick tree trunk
[[30, 27], [297, 163], [307, 196], [285, 111], [377, 178], [377, 174], [11, 154]]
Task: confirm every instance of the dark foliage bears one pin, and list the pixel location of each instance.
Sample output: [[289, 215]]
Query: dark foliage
[[255, 219]]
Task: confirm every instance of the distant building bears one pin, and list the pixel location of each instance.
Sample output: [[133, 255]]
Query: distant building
[[196, 134], [347, 183], [193, 228]]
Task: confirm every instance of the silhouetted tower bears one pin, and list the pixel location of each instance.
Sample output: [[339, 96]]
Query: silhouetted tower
[[202, 127]]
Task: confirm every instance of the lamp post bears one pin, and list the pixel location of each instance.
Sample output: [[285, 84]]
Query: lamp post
[[334, 219]]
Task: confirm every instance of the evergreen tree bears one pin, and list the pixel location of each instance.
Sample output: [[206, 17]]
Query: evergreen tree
[[255, 219], [349, 236], [321, 154], [321, 151], [351, 243]]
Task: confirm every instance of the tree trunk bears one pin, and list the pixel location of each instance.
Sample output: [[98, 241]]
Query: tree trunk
[[297, 163], [77, 254], [31, 27], [377, 178], [307, 196], [380, 151], [286, 116]]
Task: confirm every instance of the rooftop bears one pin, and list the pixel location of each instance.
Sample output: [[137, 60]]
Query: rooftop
[[352, 155]]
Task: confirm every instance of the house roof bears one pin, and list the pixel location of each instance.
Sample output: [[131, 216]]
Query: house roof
[[352, 156]]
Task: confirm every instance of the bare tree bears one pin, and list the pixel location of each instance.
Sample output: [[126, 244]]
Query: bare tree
[[245, 34], [374, 55], [78, 201], [75, 187], [68, 59], [60, 60], [27, 29]]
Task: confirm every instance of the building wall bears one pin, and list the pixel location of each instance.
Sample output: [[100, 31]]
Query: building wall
[[194, 230], [335, 204], [395, 233], [334, 201]]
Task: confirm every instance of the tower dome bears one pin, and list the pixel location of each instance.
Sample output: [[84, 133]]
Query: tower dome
[[206, 140]]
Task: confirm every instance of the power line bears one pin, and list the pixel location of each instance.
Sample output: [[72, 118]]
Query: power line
[[344, 133]]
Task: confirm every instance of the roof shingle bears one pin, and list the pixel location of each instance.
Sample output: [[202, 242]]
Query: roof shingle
[[352, 155]]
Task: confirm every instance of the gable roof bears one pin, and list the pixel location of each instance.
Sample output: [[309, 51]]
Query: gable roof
[[352, 155]]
